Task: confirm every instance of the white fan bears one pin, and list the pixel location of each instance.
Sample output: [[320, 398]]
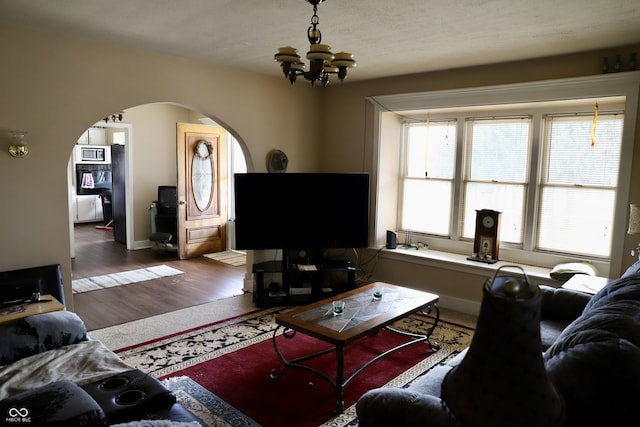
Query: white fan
[[277, 161]]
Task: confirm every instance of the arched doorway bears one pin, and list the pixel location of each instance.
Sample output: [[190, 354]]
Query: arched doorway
[[151, 161]]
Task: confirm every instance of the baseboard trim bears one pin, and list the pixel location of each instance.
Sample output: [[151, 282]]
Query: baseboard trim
[[459, 304], [249, 285]]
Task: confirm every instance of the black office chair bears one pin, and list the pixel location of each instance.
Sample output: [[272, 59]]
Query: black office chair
[[164, 220]]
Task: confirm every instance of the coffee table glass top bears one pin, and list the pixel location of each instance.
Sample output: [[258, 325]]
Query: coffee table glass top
[[358, 309]]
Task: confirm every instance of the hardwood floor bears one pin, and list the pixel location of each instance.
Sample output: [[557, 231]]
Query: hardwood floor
[[204, 280]]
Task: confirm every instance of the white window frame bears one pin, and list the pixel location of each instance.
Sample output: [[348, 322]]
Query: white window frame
[[468, 219], [589, 221], [406, 178], [385, 114]]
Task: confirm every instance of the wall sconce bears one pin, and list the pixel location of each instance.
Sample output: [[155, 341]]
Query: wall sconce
[[17, 145], [634, 226]]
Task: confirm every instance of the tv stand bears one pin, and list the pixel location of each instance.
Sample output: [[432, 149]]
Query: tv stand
[[306, 276]]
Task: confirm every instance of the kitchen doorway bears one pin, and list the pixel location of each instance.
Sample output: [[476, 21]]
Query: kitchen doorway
[[97, 172], [150, 162]]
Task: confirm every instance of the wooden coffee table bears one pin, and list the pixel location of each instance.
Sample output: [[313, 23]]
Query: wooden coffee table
[[362, 316]]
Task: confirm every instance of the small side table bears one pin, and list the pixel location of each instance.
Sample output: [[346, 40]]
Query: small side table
[[48, 304], [585, 283]]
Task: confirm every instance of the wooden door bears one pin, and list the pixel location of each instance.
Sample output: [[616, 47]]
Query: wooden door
[[202, 189]]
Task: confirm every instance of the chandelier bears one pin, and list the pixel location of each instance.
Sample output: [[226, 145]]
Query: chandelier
[[322, 62]]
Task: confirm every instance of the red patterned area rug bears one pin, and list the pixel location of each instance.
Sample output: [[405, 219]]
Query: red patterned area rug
[[233, 359]]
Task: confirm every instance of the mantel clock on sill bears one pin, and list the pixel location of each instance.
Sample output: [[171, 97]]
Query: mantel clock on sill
[[486, 243]]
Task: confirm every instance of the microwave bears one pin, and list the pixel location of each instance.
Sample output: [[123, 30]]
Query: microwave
[[93, 154]]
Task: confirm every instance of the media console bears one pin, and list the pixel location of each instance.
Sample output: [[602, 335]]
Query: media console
[[304, 276]]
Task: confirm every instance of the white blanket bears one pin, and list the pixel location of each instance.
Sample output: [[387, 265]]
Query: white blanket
[[82, 363]]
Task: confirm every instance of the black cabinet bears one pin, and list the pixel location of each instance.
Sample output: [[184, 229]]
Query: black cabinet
[[118, 205], [301, 277]]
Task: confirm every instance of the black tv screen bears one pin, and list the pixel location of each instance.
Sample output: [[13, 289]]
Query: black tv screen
[[301, 210]]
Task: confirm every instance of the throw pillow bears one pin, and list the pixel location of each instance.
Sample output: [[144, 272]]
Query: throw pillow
[[61, 403], [36, 334], [632, 270], [595, 365]]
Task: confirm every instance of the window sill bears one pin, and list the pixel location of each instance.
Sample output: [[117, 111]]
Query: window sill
[[460, 263]]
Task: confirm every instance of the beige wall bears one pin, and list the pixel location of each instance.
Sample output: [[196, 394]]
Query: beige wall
[[55, 87], [153, 156]]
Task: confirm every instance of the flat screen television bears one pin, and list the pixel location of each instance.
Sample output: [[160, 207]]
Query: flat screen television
[[301, 210]]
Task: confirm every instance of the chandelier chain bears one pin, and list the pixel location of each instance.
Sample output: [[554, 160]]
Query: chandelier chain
[[313, 33]]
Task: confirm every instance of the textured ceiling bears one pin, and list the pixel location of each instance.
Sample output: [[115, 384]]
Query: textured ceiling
[[386, 37]]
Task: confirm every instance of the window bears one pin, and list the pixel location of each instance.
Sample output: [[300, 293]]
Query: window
[[428, 178], [556, 190], [587, 201], [578, 185], [496, 173]]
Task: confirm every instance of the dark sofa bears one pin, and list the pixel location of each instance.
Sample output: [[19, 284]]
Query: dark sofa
[[591, 352], [53, 374]]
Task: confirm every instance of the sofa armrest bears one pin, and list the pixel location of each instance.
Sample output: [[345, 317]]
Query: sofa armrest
[[130, 395], [562, 305], [385, 407], [36, 334], [60, 403]]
